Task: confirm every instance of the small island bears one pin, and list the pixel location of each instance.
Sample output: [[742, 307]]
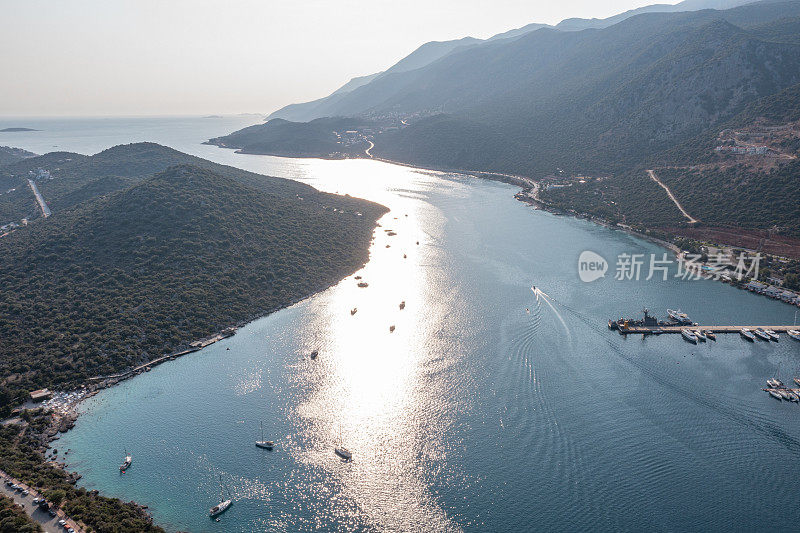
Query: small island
[[11, 130]]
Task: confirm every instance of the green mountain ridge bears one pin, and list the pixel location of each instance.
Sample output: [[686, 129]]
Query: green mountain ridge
[[116, 168], [121, 279]]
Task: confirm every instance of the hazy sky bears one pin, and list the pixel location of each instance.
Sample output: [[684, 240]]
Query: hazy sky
[[138, 57]]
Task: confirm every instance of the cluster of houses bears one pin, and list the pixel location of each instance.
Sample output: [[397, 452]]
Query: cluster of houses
[[747, 150], [774, 292]]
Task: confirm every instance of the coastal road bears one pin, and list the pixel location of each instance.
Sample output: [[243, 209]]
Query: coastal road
[[672, 197], [40, 199], [371, 146], [49, 524]]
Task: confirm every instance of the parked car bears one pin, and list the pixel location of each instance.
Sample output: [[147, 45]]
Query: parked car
[[51, 512], [25, 492], [62, 523]]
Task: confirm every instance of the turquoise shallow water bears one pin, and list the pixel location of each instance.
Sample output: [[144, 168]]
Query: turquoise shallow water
[[487, 409]]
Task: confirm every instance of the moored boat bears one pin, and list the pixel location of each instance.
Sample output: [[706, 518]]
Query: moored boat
[[784, 394], [793, 333], [344, 453], [220, 508], [747, 334], [711, 335], [689, 336], [774, 394], [223, 505], [266, 444], [679, 316], [699, 335], [772, 335], [126, 463], [797, 380], [772, 383], [761, 334]]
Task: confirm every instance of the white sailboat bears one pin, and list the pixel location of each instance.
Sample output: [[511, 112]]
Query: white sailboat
[[223, 505], [340, 450], [266, 444]]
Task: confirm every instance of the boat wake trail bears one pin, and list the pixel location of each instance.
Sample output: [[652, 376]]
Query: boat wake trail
[[739, 416], [539, 292]]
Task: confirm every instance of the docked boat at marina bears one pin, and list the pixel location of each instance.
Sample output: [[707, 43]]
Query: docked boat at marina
[[772, 383], [772, 335], [797, 380], [711, 335], [699, 335], [793, 333], [774, 394], [747, 334], [784, 394], [679, 316], [761, 334], [689, 336]]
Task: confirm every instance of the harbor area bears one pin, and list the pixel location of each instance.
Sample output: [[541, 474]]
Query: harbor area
[[680, 323]]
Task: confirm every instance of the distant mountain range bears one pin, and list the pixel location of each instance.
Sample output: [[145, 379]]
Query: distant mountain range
[[646, 89], [435, 50]]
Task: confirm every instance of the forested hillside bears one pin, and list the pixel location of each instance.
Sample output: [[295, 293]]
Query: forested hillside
[[138, 273], [75, 178]]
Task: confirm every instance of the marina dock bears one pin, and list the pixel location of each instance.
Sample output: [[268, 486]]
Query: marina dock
[[654, 330]]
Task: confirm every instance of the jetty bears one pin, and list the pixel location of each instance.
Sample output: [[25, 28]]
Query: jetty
[[677, 328]]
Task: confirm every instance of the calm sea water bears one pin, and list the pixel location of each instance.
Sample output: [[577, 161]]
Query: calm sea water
[[487, 409]]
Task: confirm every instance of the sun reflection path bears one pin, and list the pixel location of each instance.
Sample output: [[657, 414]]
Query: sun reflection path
[[373, 394]]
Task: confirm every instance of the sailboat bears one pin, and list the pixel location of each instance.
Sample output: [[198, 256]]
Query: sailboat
[[266, 444], [340, 450], [126, 463], [223, 505]]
